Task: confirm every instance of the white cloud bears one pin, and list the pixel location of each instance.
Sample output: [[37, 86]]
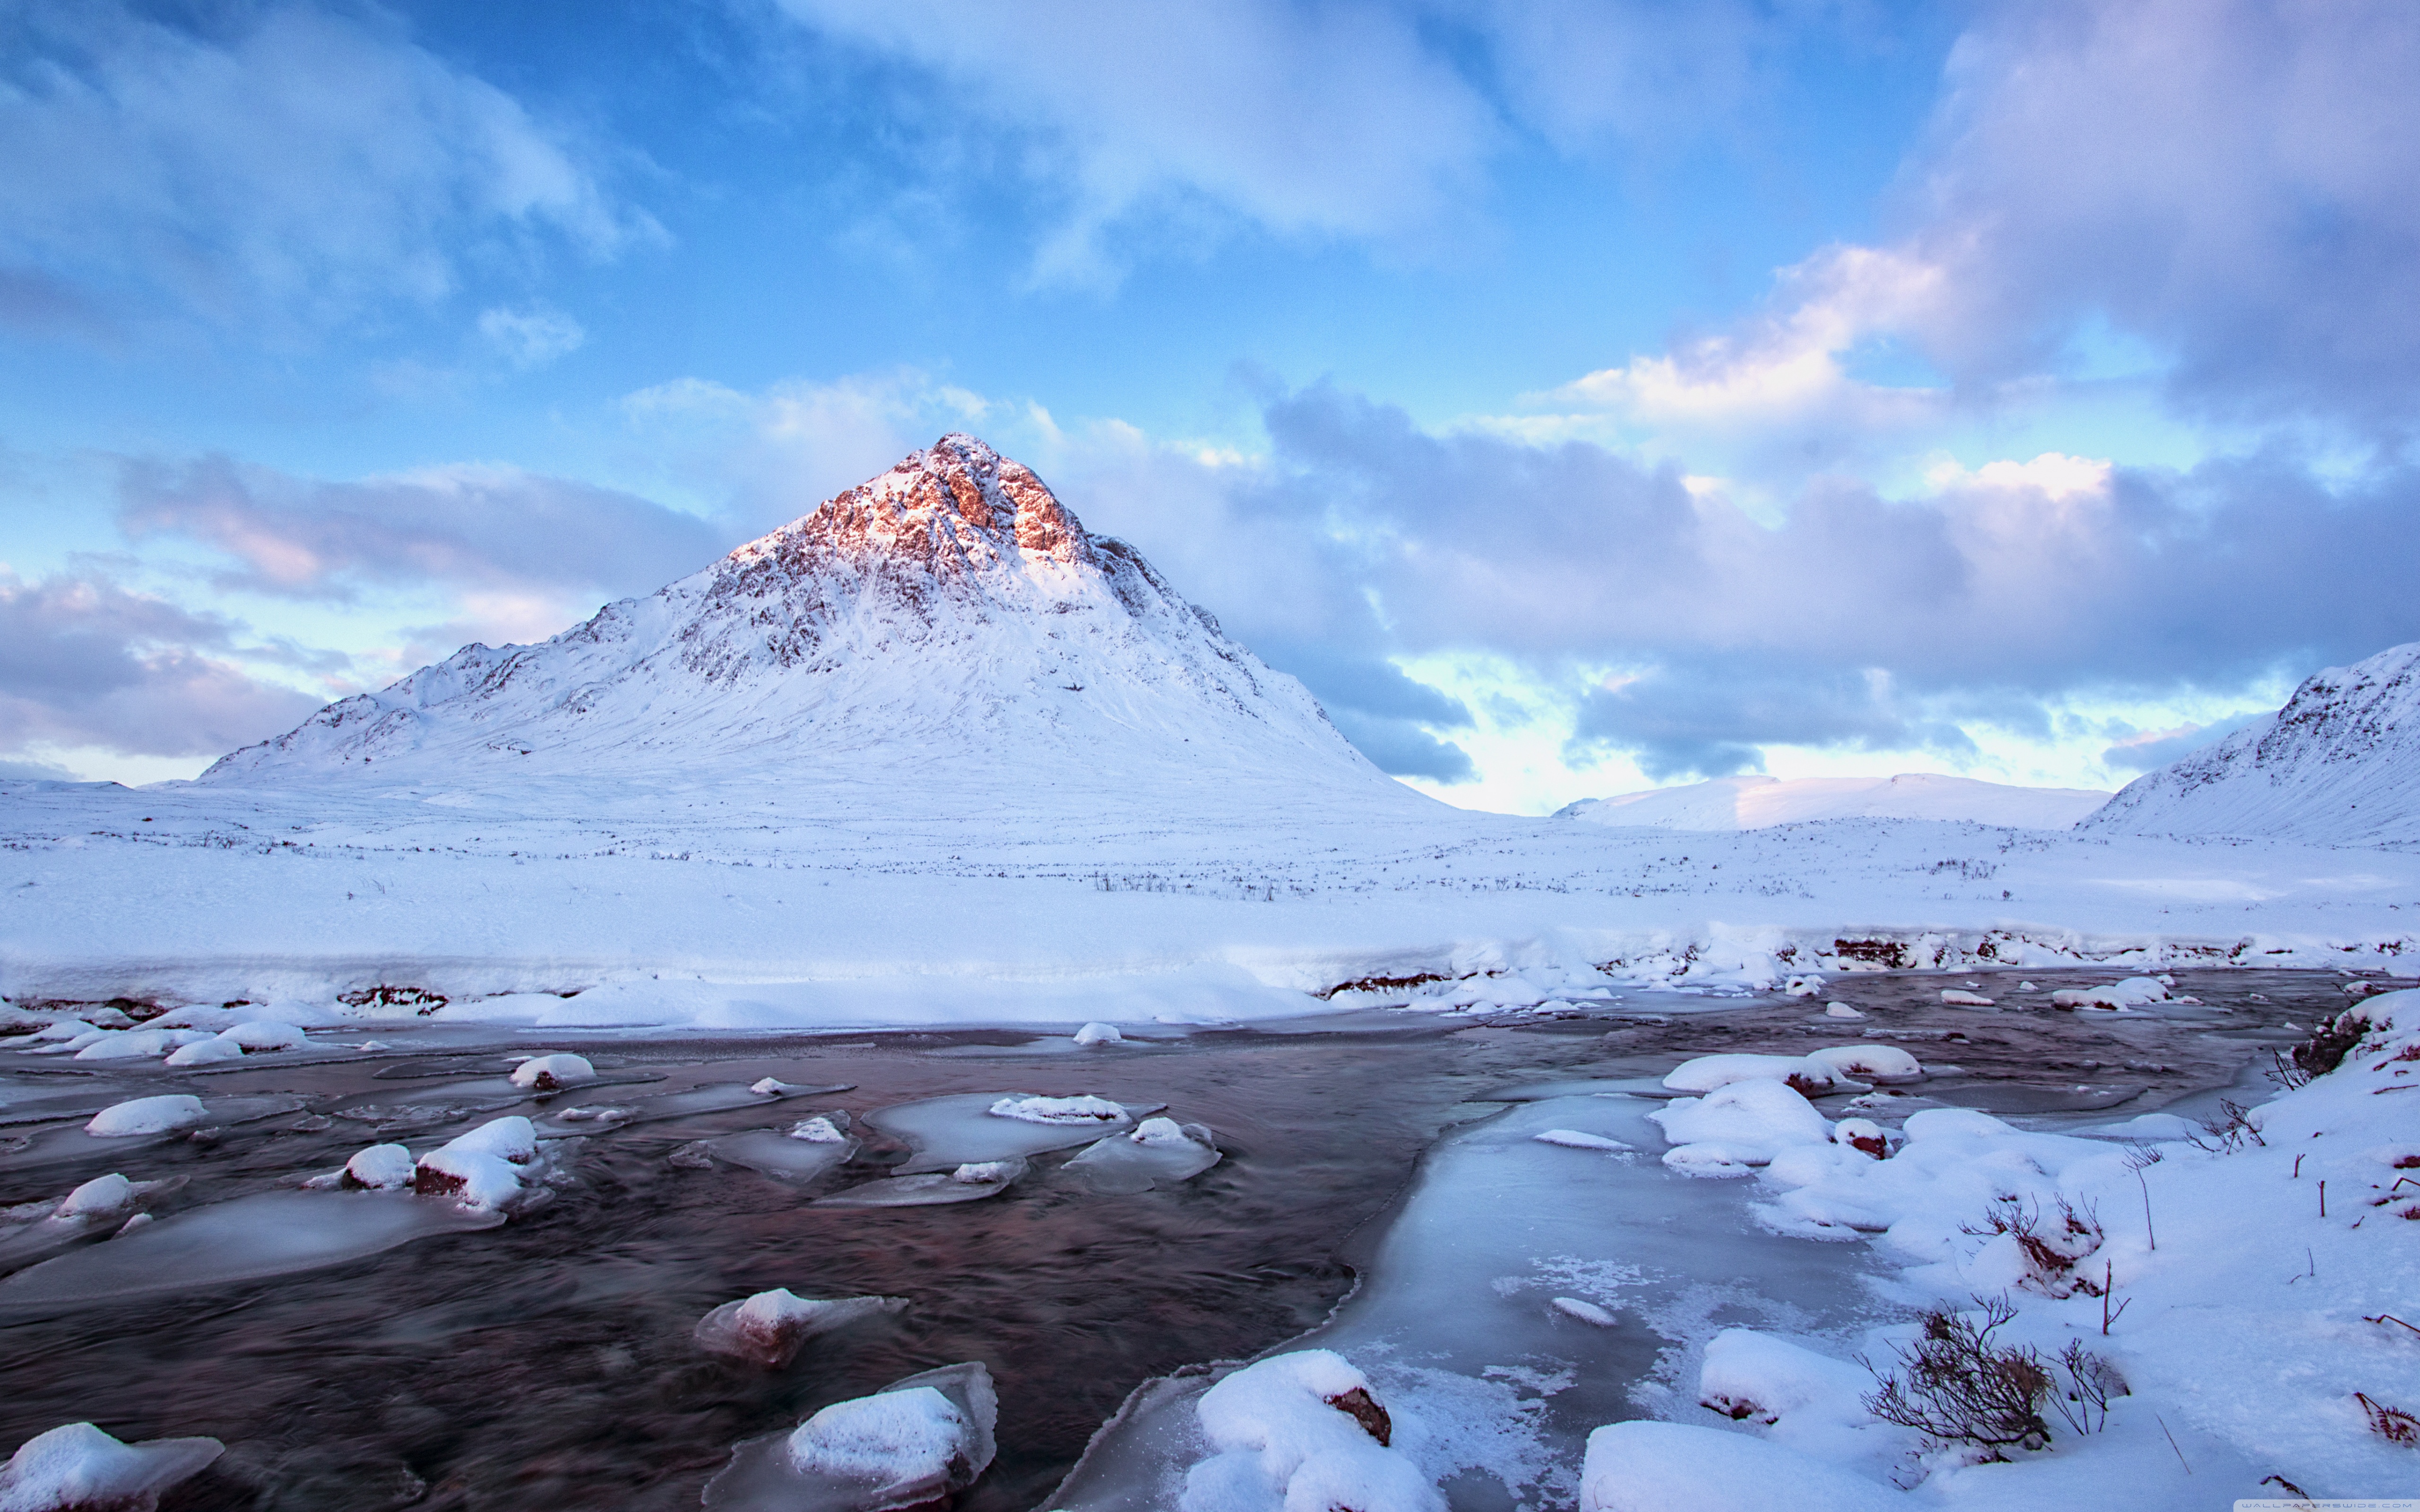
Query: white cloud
[[532, 337], [280, 166], [1330, 120]]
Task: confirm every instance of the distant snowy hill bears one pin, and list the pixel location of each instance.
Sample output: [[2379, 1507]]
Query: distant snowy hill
[[949, 614], [1756, 802], [2340, 765]]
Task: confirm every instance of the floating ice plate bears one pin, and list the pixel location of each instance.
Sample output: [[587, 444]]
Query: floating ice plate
[[270, 1233]]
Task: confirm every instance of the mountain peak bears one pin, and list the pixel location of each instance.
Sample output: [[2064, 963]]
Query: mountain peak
[[953, 508]]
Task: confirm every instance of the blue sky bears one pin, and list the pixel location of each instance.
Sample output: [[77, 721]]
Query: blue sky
[[1577, 397]]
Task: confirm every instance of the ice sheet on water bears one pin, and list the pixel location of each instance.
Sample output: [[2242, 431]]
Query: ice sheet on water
[[76, 1466], [968, 1183], [70, 1142], [1576, 1140], [949, 1131], [147, 1115], [719, 1097], [1456, 1321], [268, 1234], [38, 1230], [783, 1156], [770, 1327], [914, 1441], [1157, 1152]]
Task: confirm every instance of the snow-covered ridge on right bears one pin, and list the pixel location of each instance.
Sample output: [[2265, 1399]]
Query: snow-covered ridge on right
[[2340, 765]]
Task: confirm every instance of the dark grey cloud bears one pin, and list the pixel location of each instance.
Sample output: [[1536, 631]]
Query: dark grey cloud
[[1853, 621], [1402, 747], [469, 524], [85, 662], [2149, 753], [2228, 180]]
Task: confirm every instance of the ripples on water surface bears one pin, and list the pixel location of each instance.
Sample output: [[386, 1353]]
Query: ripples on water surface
[[550, 1364]]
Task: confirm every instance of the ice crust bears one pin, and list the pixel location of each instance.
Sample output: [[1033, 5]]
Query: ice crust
[[786, 1156], [968, 1183], [770, 1327], [1157, 1152], [78, 1467], [268, 1234], [164, 1113], [949, 1131], [1081, 1112], [914, 1441]]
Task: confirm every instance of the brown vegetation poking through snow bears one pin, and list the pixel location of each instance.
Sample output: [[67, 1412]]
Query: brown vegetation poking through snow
[[1359, 1405], [1961, 1387], [2052, 1248], [2393, 1424]]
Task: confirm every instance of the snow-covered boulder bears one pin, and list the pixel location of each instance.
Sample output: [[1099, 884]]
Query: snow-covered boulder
[[1872, 1062], [1091, 1034], [2134, 992], [770, 1327], [912, 1444], [1743, 1123], [206, 1053], [1704, 1073], [78, 1467], [484, 1168], [164, 1114], [61, 1030], [137, 1044], [379, 1167], [1302, 1430], [1752, 1375], [548, 1074], [259, 1036]]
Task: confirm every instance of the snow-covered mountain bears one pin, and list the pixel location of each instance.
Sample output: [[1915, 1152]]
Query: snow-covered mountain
[[2340, 765], [1756, 802], [950, 611]]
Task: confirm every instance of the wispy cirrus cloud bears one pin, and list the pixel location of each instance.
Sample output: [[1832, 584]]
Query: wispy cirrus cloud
[[481, 526]]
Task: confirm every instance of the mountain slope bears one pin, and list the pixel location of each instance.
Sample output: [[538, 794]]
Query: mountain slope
[[2340, 765], [950, 611], [1755, 802]]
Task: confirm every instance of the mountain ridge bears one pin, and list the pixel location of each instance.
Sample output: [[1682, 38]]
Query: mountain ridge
[[2340, 765], [948, 608]]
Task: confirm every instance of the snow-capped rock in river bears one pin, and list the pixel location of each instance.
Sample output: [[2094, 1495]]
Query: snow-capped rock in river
[[948, 608], [2340, 765], [1756, 802]]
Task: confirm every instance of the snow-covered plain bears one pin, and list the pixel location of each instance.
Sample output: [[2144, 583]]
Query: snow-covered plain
[[935, 753], [1758, 802]]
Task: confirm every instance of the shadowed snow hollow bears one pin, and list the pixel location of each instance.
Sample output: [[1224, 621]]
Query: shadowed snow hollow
[[2340, 765], [951, 609]]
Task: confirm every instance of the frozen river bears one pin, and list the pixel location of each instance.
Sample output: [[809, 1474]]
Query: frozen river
[[549, 1361]]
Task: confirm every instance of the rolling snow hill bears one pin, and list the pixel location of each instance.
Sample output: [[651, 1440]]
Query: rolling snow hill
[[946, 619], [2340, 765], [1756, 802]]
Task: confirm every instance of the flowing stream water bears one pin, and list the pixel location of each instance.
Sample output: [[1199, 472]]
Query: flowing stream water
[[550, 1362]]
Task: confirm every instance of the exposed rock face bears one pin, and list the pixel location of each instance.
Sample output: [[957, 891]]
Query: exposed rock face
[[952, 607], [2340, 765]]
